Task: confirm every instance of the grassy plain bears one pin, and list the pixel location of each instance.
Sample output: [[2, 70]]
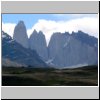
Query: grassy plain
[[83, 76]]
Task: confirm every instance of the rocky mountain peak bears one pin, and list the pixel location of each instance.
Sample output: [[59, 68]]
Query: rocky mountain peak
[[20, 34], [37, 42]]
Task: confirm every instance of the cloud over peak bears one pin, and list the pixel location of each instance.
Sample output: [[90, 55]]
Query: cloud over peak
[[8, 28], [86, 24]]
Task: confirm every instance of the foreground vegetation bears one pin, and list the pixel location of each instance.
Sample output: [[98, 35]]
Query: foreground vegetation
[[83, 76]]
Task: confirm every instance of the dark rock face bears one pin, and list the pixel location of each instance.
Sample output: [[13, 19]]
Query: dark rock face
[[20, 34], [37, 42], [72, 50]]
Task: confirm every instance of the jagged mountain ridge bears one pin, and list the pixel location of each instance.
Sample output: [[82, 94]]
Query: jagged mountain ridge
[[63, 50], [72, 51], [37, 42]]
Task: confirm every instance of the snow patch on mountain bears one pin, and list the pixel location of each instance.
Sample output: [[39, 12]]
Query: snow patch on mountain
[[67, 42]]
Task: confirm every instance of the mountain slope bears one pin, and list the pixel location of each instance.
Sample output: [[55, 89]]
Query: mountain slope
[[17, 53], [8, 63]]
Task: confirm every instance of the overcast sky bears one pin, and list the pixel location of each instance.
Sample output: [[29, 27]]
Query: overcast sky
[[50, 23]]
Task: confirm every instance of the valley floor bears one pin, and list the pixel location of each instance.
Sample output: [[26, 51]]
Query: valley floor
[[83, 76]]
